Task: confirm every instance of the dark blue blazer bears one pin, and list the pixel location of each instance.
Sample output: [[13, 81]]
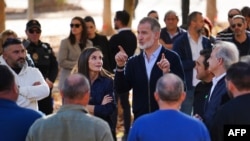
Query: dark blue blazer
[[182, 47], [218, 98]]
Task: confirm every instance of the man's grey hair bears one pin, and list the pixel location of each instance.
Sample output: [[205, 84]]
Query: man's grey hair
[[155, 26], [169, 87], [170, 12], [226, 51], [75, 86]]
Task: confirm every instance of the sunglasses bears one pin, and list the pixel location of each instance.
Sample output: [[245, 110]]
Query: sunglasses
[[238, 24], [32, 31], [75, 25]]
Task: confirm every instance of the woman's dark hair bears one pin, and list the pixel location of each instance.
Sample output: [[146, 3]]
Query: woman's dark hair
[[83, 65], [84, 37]]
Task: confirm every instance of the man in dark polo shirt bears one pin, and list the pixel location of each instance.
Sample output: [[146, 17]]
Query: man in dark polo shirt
[[240, 36]]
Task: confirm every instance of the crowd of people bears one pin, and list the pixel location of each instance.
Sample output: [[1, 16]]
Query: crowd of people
[[186, 83]]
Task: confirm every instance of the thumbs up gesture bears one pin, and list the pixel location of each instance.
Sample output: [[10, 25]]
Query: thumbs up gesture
[[163, 64], [121, 57]]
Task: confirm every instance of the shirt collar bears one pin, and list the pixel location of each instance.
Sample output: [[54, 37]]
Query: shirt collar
[[189, 36], [155, 53], [67, 107], [123, 29], [216, 79]]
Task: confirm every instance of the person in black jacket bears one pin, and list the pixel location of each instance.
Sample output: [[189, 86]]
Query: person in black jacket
[[142, 71], [235, 112], [99, 41], [127, 39], [44, 59], [202, 89]]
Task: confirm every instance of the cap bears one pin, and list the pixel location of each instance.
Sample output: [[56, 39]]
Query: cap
[[33, 24]]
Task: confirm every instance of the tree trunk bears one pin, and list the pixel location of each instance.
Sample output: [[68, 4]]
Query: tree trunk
[[185, 12], [30, 10], [211, 10], [2, 15], [50, 5], [107, 26], [129, 7]]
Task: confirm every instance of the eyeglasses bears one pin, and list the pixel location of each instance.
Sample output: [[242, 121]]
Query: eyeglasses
[[32, 31], [75, 25], [12, 41], [238, 24]]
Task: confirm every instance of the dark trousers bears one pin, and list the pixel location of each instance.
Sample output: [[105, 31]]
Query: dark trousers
[[187, 105], [124, 99], [114, 121], [46, 105]]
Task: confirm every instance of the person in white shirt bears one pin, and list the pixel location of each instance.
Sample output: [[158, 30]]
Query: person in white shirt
[[31, 84]]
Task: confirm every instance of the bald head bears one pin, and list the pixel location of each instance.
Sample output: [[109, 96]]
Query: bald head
[[75, 86], [169, 87]]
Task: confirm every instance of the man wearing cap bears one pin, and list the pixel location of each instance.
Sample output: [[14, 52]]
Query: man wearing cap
[[32, 87], [43, 58]]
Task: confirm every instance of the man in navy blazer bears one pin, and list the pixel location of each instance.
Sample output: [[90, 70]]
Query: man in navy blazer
[[141, 72], [222, 57], [188, 45]]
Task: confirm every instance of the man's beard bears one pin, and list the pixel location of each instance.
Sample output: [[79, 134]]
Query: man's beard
[[147, 44], [199, 31], [20, 63]]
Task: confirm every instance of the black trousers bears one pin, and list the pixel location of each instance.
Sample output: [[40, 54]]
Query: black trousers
[[46, 105], [124, 99]]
